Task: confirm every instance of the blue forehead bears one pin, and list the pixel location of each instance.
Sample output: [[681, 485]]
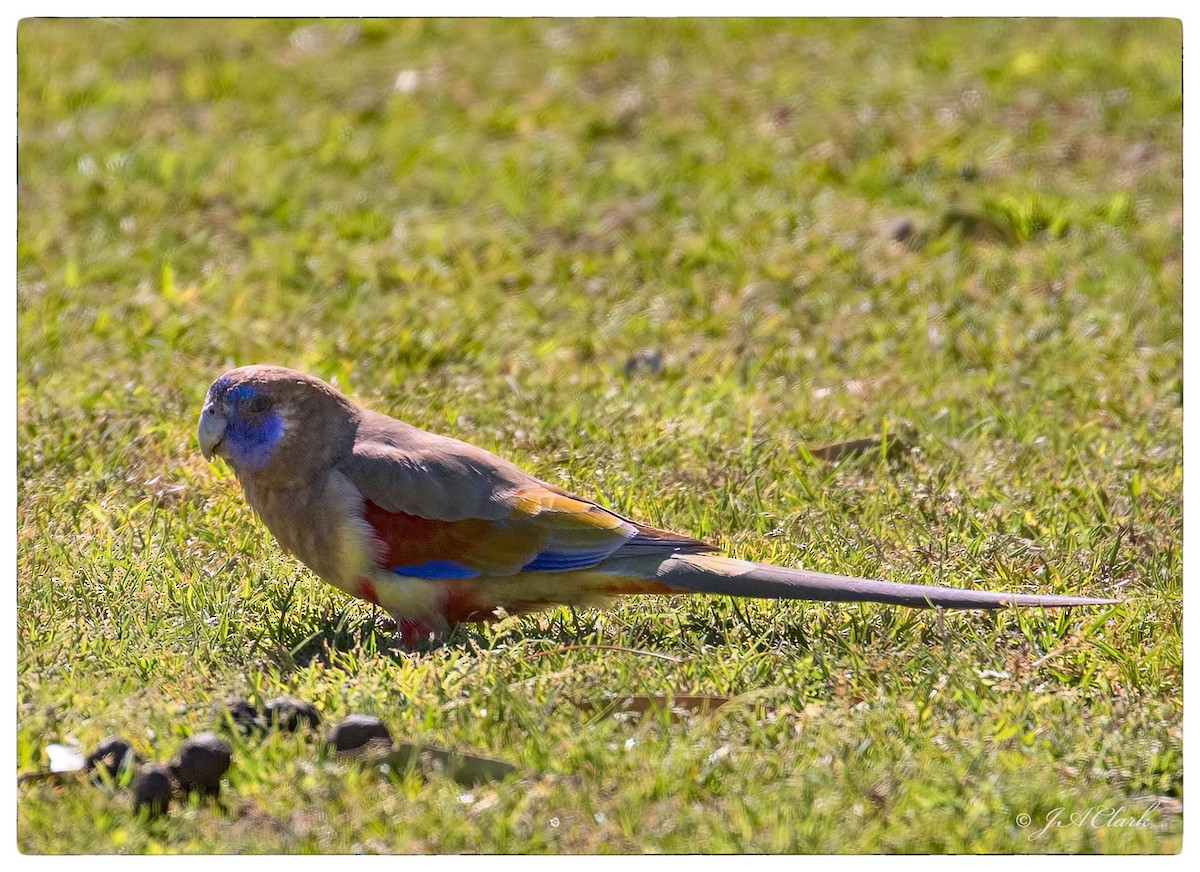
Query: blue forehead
[[224, 387], [243, 391]]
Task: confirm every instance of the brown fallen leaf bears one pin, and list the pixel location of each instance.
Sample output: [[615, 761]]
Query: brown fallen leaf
[[851, 448], [468, 770], [978, 225], [896, 442], [36, 775], [565, 648], [679, 706]]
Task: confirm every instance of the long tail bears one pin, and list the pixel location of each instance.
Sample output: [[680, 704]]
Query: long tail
[[708, 573]]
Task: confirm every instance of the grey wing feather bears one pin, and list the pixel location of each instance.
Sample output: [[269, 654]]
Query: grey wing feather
[[401, 468]]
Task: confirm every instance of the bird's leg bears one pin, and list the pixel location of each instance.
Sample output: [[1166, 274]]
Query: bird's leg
[[414, 632], [414, 605]]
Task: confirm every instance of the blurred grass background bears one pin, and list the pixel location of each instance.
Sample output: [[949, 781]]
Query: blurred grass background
[[658, 262]]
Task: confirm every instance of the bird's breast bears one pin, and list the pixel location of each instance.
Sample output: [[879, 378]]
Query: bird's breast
[[322, 525]]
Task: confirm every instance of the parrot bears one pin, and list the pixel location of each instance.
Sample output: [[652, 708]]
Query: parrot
[[438, 532]]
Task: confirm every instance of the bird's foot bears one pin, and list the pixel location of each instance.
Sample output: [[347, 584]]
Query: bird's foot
[[426, 631]]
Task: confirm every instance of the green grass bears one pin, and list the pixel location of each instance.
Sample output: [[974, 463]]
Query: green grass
[[479, 251]]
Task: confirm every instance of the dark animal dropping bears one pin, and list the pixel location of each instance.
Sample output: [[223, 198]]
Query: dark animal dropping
[[200, 763], [355, 731]]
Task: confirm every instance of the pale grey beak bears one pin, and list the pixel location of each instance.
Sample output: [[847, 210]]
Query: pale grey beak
[[211, 431]]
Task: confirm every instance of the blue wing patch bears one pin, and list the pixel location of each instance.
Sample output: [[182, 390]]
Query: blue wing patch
[[437, 569], [559, 561]]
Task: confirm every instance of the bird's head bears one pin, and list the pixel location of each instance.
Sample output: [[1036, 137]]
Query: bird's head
[[274, 424]]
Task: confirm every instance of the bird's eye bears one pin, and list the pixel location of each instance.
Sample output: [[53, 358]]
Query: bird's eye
[[254, 405]]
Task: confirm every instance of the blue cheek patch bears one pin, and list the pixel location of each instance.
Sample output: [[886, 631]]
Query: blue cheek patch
[[253, 444], [559, 561], [437, 569]]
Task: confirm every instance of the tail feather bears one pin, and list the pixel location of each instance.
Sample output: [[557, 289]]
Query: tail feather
[[706, 573]]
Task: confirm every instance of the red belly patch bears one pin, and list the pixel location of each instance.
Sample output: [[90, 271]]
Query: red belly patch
[[459, 604], [366, 590]]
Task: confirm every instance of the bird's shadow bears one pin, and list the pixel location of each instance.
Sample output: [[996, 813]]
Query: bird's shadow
[[297, 645], [374, 634]]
